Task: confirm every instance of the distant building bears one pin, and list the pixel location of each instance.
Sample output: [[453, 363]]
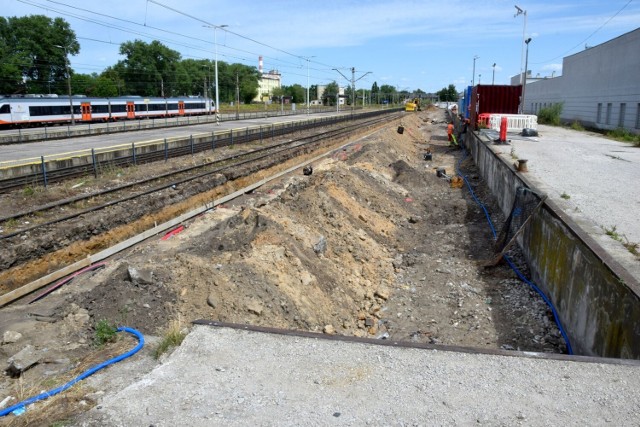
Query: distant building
[[321, 89], [267, 83], [599, 87]]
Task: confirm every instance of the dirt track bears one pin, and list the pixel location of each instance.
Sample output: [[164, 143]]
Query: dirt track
[[372, 244]]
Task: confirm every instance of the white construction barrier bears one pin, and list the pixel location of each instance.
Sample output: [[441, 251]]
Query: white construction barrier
[[515, 122]]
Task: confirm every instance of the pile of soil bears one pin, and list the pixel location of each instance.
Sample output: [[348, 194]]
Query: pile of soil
[[371, 244]]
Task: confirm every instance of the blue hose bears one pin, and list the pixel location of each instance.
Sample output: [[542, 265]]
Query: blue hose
[[511, 264], [19, 407]]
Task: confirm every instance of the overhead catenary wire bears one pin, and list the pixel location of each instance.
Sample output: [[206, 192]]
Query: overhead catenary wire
[[165, 40]]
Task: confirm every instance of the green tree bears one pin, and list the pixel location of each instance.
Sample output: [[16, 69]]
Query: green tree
[[83, 83], [246, 78], [349, 94], [448, 93], [110, 83], [375, 93], [149, 69], [330, 92], [105, 87], [31, 60], [387, 93], [198, 78], [297, 93]]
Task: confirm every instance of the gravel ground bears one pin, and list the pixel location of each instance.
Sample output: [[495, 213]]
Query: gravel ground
[[222, 376]]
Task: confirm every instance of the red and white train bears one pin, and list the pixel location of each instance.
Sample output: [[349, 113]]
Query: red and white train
[[40, 111]]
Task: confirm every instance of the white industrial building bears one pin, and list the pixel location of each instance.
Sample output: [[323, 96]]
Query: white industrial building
[[599, 87]]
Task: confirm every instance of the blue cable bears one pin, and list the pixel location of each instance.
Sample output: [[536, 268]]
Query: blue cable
[[511, 264], [19, 407]]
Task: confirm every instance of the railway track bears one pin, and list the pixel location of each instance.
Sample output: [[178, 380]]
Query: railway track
[[42, 174], [44, 221]]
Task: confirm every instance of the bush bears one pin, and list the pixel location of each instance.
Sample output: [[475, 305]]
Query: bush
[[105, 332], [550, 115]]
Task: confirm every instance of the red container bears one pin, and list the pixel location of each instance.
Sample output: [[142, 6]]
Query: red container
[[494, 99]]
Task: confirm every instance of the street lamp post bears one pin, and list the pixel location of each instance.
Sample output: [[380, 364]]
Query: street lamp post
[[308, 59], [526, 64], [493, 77], [473, 76], [479, 78], [66, 64], [520, 11], [215, 44]]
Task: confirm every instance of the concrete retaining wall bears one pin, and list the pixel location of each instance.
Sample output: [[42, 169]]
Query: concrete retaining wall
[[597, 299]]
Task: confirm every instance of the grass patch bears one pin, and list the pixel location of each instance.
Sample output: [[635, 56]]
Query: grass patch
[[613, 233], [550, 115], [10, 224], [28, 191], [624, 135], [576, 125], [632, 247], [172, 337], [565, 196], [105, 332]]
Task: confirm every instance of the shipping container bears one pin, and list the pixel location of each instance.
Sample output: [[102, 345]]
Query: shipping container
[[494, 99]]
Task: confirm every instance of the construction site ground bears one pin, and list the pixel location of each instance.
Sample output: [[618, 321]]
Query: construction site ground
[[371, 244]]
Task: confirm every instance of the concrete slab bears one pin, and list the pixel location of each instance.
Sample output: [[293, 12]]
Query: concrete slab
[[230, 377], [598, 175]]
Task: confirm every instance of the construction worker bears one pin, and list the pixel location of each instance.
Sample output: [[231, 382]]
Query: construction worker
[[450, 133]]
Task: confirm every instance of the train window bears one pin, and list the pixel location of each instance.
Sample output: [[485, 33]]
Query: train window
[[118, 108], [100, 109], [157, 107], [172, 106], [49, 110], [5, 109], [194, 106]]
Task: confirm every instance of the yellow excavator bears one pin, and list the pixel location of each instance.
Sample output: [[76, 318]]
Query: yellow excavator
[[413, 105]]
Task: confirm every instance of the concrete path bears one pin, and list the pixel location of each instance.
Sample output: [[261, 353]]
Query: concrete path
[[230, 377], [599, 177]]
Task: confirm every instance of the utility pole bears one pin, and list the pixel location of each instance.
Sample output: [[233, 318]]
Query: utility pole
[[353, 84], [473, 76], [237, 96], [67, 67], [204, 87]]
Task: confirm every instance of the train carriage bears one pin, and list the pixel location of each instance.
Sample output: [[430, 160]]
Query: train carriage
[[38, 111]]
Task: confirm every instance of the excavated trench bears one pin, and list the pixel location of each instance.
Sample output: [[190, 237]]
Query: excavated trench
[[371, 244]]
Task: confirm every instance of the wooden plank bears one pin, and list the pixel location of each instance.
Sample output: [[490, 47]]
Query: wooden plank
[[43, 281]]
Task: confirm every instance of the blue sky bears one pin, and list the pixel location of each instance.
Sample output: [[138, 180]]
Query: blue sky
[[409, 44]]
